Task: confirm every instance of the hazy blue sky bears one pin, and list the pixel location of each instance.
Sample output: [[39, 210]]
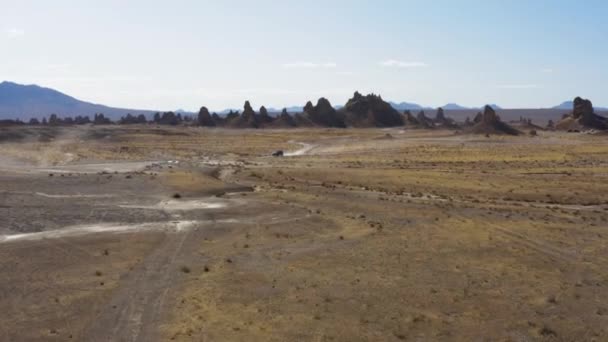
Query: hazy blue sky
[[184, 54]]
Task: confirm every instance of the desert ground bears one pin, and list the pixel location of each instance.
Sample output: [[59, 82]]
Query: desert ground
[[142, 233]]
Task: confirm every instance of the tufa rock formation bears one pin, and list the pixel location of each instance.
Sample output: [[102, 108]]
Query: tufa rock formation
[[582, 117], [424, 121], [323, 114], [220, 121], [370, 111], [284, 120], [440, 116], [524, 124], [442, 120], [98, 119], [409, 119], [302, 120], [248, 119], [128, 119], [205, 119], [264, 118], [490, 123], [231, 116], [581, 107]]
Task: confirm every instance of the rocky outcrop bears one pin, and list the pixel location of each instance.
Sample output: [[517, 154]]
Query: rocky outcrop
[[582, 117], [478, 117], [168, 118], [219, 120], [323, 114], [98, 119], [370, 111], [302, 120], [489, 116], [440, 116], [424, 121], [248, 119], [284, 120], [128, 119], [232, 115], [524, 124], [443, 121], [309, 107], [581, 108], [205, 119], [248, 111], [489, 123], [264, 118], [409, 119]]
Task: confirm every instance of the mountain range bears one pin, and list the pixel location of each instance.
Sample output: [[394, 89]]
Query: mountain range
[[449, 106], [25, 101]]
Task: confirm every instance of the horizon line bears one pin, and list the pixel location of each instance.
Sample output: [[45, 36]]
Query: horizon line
[[279, 108]]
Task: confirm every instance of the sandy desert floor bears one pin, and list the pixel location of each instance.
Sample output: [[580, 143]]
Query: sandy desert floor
[[143, 233]]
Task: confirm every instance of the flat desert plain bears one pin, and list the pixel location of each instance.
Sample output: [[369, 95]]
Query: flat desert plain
[[143, 233]]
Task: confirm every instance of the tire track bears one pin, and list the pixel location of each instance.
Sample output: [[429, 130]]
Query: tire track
[[134, 309], [541, 247], [538, 246]]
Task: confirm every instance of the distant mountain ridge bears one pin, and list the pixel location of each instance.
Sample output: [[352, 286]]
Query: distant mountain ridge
[[448, 106], [454, 106], [564, 105], [27, 101], [407, 106]]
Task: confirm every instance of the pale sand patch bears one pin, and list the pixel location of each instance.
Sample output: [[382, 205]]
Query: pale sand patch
[[180, 205], [120, 167], [43, 194], [80, 230]]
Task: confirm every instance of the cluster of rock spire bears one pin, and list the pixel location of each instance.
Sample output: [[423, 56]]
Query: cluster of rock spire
[[359, 111]]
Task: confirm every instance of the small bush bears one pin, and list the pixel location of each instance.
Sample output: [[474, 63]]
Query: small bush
[[546, 331]]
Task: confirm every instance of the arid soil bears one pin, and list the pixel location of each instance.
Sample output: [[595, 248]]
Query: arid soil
[[188, 234]]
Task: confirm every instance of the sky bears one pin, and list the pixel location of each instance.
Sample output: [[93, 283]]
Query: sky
[[168, 55]]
